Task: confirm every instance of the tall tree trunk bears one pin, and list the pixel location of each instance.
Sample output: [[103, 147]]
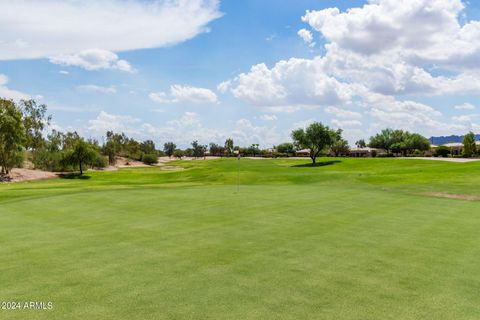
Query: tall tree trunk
[[81, 170]]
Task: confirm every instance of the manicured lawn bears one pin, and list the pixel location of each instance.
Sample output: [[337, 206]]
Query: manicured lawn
[[351, 239]]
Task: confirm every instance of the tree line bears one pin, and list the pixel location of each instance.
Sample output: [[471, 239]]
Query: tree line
[[320, 139], [22, 128], [469, 148]]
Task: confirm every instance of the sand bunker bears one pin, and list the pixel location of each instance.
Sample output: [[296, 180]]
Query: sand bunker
[[17, 175], [24, 174], [127, 163], [468, 197]]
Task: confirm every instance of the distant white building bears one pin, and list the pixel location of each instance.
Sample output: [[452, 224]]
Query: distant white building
[[456, 148], [303, 153], [365, 152]]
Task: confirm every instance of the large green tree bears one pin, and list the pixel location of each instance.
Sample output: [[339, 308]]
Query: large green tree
[[469, 147], [55, 140], [132, 149], [70, 140], [12, 135], [34, 121], [169, 148], [51, 156], [360, 143], [114, 146], [229, 148], [254, 149], [415, 141], [287, 148], [216, 149], [81, 155], [198, 150], [148, 147], [316, 137], [386, 139], [339, 146], [399, 141]]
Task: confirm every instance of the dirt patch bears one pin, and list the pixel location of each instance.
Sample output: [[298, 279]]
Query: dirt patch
[[127, 163], [468, 197], [18, 175]]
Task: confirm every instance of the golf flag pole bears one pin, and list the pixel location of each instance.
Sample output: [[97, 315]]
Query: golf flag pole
[[238, 171]]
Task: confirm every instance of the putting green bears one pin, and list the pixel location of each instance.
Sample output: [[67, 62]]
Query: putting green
[[347, 239]]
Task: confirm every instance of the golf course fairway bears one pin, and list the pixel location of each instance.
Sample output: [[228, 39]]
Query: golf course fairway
[[345, 239]]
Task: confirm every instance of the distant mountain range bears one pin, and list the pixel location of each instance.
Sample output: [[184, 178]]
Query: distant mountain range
[[442, 140]]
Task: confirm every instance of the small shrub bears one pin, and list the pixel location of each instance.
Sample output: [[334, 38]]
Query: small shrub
[[385, 155], [280, 155], [99, 162], [49, 160], [178, 154], [442, 151], [149, 159]]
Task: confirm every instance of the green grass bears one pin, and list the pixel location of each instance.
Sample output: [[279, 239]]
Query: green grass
[[353, 239]]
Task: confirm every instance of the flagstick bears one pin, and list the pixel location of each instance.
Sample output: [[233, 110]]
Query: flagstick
[[238, 172]]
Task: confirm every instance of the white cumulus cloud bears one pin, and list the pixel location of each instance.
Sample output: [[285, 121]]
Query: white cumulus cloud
[[268, 117], [192, 94], [91, 88], [342, 113], [32, 29], [93, 59], [419, 31], [159, 97], [182, 94], [345, 123], [224, 86], [465, 106], [7, 93], [186, 128], [380, 58], [307, 36], [292, 84], [118, 123]]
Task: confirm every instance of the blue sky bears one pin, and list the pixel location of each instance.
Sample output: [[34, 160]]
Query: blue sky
[[243, 69]]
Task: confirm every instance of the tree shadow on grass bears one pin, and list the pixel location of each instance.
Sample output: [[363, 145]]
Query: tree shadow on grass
[[318, 164], [5, 178], [73, 176]]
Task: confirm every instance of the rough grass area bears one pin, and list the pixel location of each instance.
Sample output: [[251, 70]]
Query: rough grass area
[[346, 239]]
